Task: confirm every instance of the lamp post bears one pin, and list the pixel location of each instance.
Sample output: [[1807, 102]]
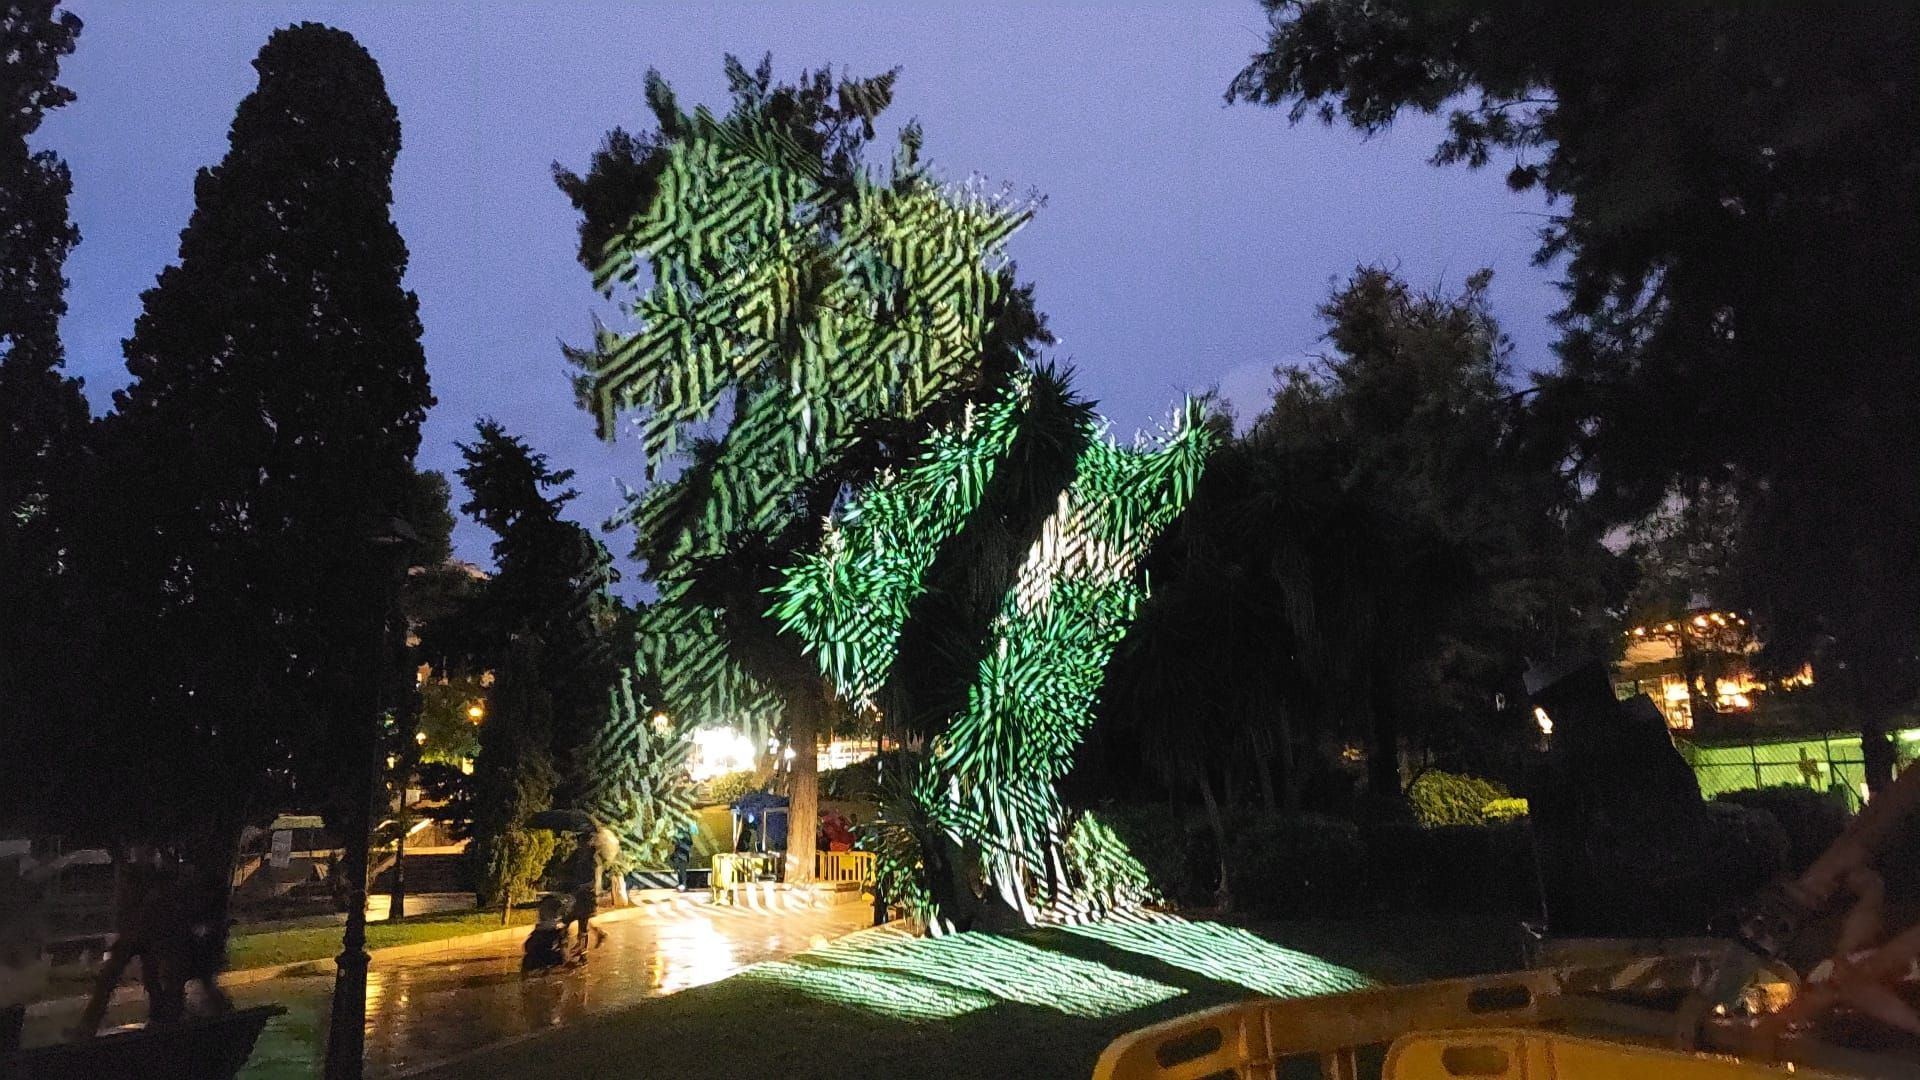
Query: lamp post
[[347, 1028], [397, 896]]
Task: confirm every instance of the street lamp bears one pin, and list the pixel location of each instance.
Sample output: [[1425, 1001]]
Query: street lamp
[[347, 1029]]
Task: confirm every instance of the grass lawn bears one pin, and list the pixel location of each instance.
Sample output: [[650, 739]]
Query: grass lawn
[[271, 948], [1040, 1004]]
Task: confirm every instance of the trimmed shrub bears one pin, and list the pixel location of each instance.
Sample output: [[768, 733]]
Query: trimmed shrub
[[1504, 810], [1296, 864], [1444, 798], [1812, 820]]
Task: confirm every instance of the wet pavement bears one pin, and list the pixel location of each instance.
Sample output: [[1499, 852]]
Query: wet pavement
[[436, 1009]]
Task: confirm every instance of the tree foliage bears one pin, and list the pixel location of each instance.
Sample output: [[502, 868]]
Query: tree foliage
[[513, 779], [1372, 563], [798, 318], [43, 417], [978, 594], [550, 584], [1738, 222], [248, 477]]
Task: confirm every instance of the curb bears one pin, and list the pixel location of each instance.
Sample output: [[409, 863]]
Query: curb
[[759, 901], [325, 965]]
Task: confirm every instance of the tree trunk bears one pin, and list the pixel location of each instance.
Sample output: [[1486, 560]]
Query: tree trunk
[[1223, 895], [804, 711], [1262, 748], [1289, 771], [1383, 760]]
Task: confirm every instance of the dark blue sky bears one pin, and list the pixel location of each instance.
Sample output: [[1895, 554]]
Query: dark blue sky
[[1184, 244]]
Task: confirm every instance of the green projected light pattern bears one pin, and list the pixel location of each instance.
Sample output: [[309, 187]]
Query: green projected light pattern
[[645, 794], [790, 307], [989, 781], [940, 978], [929, 979], [850, 602], [1225, 954]]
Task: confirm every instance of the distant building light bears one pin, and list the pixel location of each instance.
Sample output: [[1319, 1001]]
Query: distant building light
[[1546, 722]]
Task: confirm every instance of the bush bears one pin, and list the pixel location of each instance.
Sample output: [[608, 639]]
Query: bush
[[861, 781], [1748, 849], [1103, 871], [1296, 864], [1444, 798], [1165, 846], [725, 788], [1812, 820], [1456, 868], [1504, 810]]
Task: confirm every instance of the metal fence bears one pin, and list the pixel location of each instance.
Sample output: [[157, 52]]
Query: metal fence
[[1821, 763]]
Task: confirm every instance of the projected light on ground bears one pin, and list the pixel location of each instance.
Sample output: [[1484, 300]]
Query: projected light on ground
[[1226, 954], [941, 978]]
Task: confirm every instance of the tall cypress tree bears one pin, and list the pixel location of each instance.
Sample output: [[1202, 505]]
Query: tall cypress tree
[[265, 446], [43, 417]]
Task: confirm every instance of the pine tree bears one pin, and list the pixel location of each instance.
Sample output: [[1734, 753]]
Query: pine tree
[[513, 779], [43, 417], [264, 447], [550, 585]]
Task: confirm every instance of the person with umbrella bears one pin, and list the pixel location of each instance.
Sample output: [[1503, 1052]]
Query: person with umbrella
[[593, 847]]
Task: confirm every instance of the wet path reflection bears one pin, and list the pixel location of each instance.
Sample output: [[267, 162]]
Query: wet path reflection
[[426, 1010]]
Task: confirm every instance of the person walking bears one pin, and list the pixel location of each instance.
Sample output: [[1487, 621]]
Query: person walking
[[681, 857], [583, 872], [173, 920]]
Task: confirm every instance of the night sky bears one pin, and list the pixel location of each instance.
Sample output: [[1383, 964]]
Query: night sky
[[1184, 244]]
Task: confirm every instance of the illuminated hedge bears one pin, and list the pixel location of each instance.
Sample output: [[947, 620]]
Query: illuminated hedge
[[1059, 561]]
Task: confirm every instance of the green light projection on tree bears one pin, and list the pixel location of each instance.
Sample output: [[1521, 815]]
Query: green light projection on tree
[[785, 306], [978, 595], [644, 793]]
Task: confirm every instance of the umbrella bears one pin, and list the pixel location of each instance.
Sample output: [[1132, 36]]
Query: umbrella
[[573, 821]]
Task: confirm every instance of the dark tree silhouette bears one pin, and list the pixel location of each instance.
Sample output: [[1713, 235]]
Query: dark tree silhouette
[[43, 417], [1740, 226], [250, 471], [550, 585], [1373, 561]]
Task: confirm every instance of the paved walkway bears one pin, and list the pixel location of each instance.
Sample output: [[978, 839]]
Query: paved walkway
[[435, 1010]]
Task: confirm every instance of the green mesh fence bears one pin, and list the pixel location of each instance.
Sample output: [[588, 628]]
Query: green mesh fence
[[1819, 763]]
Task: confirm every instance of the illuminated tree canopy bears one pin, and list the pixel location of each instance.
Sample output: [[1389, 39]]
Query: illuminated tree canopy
[[977, 595], [785, 299]]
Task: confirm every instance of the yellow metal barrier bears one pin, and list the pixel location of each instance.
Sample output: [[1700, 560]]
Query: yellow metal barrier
[[1643, 1017], [1253, 1039], [1508, 1054], [842, 867], [732, 869]]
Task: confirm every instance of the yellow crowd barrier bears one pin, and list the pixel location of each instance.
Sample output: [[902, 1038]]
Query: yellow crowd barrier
[[842, 867]]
